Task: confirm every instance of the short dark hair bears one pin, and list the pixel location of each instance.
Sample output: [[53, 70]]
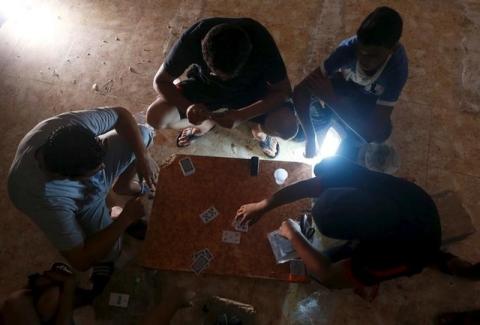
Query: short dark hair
[[382, 27], [72, 151], [226, 48]]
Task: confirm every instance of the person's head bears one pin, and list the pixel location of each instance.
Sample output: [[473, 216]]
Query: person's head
[[226, 49], [378, 36], [73, 151]]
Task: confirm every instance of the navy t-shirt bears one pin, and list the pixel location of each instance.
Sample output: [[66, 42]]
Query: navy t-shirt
[[265, 65], [386, 85]]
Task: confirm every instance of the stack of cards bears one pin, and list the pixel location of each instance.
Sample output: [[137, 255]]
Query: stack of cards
[[239, 227], [209, 214], [231, 237], [201, 260]]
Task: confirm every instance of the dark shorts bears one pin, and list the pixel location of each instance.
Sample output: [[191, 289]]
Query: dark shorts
[[215, 98]]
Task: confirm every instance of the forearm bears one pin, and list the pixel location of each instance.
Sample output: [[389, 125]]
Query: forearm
[[99, 245], [300, 190], [301, 100], [127, 128], [172, 95], [64, 314], [273, 99], [314, 261]]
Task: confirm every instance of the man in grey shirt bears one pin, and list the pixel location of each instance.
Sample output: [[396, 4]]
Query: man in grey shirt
[[65, 167]]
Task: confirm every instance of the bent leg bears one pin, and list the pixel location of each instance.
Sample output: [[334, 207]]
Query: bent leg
[[281, 123], [161, 114]]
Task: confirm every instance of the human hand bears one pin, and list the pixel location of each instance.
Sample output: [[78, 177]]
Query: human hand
[[67, 280], [289, 228], [225, 119], [197, 113], [134, 209], [250, 213], [147, 169]]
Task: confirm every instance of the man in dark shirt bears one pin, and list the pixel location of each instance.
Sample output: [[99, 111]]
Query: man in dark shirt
[[391, 225], [233, 64]]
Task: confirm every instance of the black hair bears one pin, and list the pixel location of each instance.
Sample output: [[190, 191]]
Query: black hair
[[382, 27], [72, 151], [226, 48]]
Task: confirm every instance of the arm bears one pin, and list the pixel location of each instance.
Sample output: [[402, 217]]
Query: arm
[[127, 128], [374, 127], [100, 244], [251, 213], [330, 275], [301, 99], [163, 85], [277, 94], [64, 314]]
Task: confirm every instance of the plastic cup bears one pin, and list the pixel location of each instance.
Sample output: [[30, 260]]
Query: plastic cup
[[280, 176]]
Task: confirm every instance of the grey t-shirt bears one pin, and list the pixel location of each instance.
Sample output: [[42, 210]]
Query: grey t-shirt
[[61, 208]]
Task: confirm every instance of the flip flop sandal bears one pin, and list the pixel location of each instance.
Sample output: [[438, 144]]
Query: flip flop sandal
[[189, 138], [267, 145]]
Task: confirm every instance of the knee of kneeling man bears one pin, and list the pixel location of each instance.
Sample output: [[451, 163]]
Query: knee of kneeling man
[[288, 131]]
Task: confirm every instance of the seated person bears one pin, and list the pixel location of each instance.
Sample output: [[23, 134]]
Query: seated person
[[391, 225], [49, 298], [65, 167], [235, 65], [360, 81]]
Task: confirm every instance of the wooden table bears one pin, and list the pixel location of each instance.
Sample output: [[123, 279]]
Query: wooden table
[[176, 231]]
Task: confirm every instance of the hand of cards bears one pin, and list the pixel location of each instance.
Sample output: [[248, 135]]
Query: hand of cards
[[281, 247]]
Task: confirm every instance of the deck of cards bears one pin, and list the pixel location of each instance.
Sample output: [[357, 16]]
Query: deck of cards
[[201, 260], [239, 227]]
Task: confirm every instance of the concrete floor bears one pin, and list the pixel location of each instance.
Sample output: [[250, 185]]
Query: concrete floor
[[50, 67]]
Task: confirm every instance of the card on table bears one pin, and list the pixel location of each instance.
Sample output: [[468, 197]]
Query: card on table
[[119, 300], [199, 264], [231, 237], [204, 252], [209, 214], [186, 165]]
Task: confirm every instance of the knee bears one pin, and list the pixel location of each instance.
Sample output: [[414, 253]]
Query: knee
[[284, 126], [156, 113], [147, 135]]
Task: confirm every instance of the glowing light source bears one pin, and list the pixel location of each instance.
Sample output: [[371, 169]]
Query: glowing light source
[[30, 20], [330, 144]]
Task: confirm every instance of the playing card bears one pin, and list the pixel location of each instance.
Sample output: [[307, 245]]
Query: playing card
[[186, 166], [118, 300], [241, 228], [199, 264], [204, 252], [209, 214], [231, 237]]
